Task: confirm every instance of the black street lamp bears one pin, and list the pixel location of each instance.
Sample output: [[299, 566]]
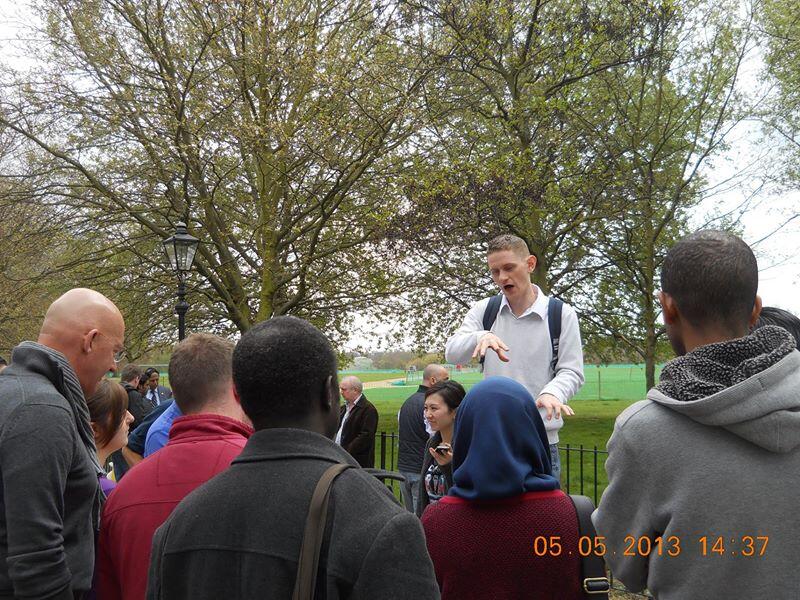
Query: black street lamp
[[180, 249]]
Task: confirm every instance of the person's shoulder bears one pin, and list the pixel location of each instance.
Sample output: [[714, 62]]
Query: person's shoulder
[[23, 386], [481, 305], [364, 493], [643, 417]]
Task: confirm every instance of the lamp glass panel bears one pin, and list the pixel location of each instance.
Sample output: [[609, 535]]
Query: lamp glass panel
[[169, 248], [190, 252]]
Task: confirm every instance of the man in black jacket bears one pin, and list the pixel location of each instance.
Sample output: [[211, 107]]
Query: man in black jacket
[[359, 422], [138, 406], [413, 429], [238, 536], [50, 497]]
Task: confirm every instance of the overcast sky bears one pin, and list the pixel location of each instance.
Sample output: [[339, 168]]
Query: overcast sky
[[743, 166]]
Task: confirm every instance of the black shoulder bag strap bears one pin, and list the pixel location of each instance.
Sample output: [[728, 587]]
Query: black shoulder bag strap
[[307, 566], [594, 580], [554, 324], [490, 314]]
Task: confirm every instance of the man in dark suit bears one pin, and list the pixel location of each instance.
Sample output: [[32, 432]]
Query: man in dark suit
[[155, 392], [359, 422]]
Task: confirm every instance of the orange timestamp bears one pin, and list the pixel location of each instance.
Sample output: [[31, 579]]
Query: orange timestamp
[[745, 545]]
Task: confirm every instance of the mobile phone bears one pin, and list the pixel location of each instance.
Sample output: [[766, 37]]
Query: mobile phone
[[442, 449]]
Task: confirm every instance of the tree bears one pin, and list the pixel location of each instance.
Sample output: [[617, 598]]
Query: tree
[[273, 128], [508, 148], [781, 33], [671, 112]]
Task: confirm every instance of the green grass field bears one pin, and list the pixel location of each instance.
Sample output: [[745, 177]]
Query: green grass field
[[590, 427]]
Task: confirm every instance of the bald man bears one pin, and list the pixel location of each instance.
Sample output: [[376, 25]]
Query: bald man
[[414, 429], [358, 420], [50, 500]]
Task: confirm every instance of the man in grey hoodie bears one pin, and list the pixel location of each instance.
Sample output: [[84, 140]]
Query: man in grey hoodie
[[704, 475]]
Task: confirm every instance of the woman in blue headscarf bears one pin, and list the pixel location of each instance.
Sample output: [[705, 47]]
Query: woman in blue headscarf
[[481, 536]]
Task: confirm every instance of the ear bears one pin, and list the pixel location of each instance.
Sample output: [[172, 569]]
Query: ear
[[330, 399], [531, 263], [95, 431], [756, 312], [236, 395], [88, 340], [668, 308]]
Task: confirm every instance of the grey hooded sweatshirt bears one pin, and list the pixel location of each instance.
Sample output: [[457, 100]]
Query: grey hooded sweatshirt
[[710, 463]]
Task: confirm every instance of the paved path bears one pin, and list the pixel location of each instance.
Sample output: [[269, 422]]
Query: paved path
[[382, 383]]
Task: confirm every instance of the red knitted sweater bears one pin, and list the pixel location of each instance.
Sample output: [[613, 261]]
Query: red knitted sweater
[[485, 549]]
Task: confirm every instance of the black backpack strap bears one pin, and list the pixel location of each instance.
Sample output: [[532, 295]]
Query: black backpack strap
[[594, 580], [490, 314], [554, 308], [306, 580]]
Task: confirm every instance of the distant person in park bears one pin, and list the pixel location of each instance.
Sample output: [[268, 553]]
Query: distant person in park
[[436, 475], [143, 387], [202, 443], [138, 405], [50, 500], [110, 418], [706, 470], [533, 339], [133, 453], [358, 422], [156, 393], [284, 370], [481, 535], [414, 429], [781, 318]]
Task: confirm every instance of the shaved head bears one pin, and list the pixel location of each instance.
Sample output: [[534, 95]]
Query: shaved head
[[434, 373], [88, 329]]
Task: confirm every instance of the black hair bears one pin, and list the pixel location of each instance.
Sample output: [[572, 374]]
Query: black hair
[[150, 370], [713, 278], [281, 368], [451, 392], [3, 361], [782, 318]]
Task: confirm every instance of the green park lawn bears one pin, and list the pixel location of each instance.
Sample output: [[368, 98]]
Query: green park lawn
[[590, 427]]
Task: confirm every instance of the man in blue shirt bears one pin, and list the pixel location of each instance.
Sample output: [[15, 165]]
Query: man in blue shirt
[[158, 436]]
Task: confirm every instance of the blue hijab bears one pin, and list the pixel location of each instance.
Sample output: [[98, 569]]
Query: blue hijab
[[500, 446]]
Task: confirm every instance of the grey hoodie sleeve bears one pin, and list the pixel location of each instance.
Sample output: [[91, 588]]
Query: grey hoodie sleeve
[[397, 564], [37, 453], [624, 511]]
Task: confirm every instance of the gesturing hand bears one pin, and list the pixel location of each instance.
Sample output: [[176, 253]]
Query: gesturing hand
[[553, 405], [488, 341]]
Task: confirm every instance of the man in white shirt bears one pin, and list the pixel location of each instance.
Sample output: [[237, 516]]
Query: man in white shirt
[[520, 338]]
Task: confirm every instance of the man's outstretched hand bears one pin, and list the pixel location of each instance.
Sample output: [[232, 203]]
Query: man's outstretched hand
[[488, 341], [553, 406]]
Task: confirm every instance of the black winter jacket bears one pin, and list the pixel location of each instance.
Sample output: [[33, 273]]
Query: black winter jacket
[[413, 435], [238, 536]]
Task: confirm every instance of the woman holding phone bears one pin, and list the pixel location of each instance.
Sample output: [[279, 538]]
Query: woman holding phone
[[441, 401], [503, 503]]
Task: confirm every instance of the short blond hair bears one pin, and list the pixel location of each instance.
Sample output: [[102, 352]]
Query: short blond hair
[[509, 242]]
